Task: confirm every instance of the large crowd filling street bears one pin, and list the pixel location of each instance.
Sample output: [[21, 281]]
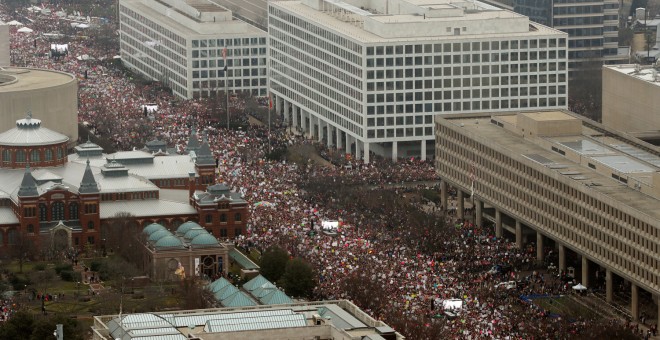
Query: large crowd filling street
[[396, 270]]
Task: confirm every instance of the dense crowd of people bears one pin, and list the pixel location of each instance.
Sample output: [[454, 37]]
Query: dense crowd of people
[[405, 270]]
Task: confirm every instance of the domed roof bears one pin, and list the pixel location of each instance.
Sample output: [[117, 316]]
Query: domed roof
[[28, 131], [204, 240], [150, 229], [193, 232], [158, 234], [169, 241], [183, 229]]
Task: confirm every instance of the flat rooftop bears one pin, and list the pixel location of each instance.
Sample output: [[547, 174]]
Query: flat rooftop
[[349, 30], [14, 79], [644, 73], [215, 29], [613, 151], [546, 116]]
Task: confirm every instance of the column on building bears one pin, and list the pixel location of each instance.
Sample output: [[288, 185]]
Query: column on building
[[394, 151], [286, 112], [339, 145], [321, 125], [329, 135], [478, 212], [539, 247], [585, 271], [634, 301], [358, 149], [498, 223], [348, 143], [562, 258], [443, 194], [519, 235], [294, 112], [422, 155], [366, 153], [609, 287], [278, 104], [460, 205], [310, 132]]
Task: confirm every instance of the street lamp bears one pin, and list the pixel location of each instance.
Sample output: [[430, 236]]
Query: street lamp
[[78, 289]]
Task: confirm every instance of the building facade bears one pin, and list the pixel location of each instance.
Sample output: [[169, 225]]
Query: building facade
[[372, 79], [182, 44], [573, 182], [592, 27], [51, 201], [631, 98]]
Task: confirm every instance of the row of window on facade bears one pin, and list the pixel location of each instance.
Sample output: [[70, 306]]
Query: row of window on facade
[[58, 211], [446, 59], [229, 42], [260, 73], [21, 156], [467, 46], [222, 218], [463, 71], [248, 52], [219, 63]]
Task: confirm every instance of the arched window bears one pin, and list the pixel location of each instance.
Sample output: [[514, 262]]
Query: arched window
[[90, 226], [57, 211], [59, 153], [48, 155], [30, 229], [6, 155], [20, 156], [73, 211], [43, 212], [223, 218], [35, 157], [237, 217], [209, 218]]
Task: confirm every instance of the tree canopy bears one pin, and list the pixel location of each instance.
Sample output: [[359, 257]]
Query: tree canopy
[[298, 279], [273, 263]]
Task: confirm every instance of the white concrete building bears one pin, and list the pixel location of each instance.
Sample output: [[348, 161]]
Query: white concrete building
[[181, 43], [374, 73]]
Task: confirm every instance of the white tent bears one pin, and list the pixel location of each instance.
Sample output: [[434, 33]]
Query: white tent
[[83, 26], [579, 287], [34, 9], [25, 30], [14, 23], [85, 57]]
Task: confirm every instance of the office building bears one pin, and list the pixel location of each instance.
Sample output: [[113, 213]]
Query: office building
[[332, 319], [182, 43], [373, 74], [631, 98], [592, 27], [573, 182]]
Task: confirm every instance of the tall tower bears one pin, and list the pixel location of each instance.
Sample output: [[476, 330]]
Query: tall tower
[[28, 197]]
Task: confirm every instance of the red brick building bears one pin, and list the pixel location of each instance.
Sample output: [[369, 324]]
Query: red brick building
[[50, 201]]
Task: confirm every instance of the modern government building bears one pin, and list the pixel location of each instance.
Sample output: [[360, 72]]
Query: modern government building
[[182, 43], [592, 26], [375, 73], [581, 188]]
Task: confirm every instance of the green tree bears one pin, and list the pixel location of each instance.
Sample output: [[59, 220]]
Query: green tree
[[18, 326], [43, 328], [273, 263], [298, 279]]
